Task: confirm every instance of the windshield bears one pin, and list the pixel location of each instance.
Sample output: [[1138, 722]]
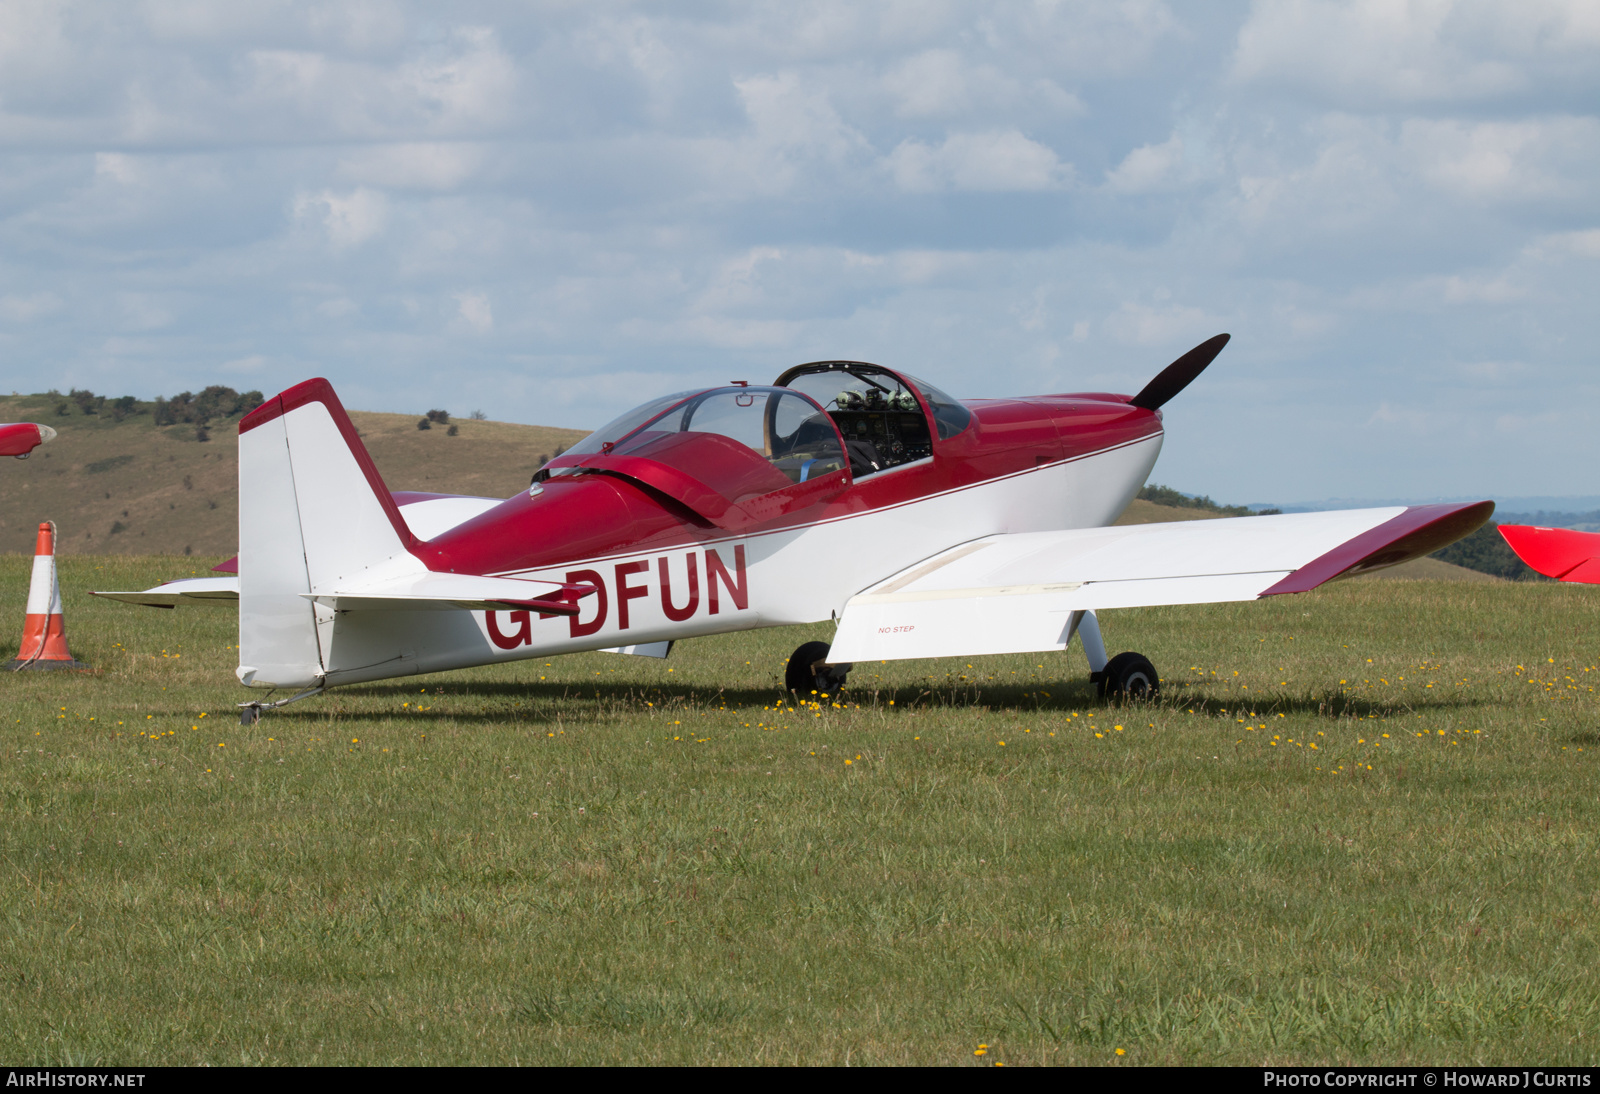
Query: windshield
[[618, 428], [790, 432]]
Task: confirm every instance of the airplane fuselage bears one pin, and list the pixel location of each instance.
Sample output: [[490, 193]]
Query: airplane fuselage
[[659, 574]]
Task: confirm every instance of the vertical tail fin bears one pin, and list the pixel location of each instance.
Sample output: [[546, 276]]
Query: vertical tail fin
[[312, 510]]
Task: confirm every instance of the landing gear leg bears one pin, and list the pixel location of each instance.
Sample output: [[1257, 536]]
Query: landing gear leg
[[250, 713], [1125, 676], [809, 671]]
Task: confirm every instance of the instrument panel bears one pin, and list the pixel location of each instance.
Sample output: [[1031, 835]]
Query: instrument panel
[[899, 436]]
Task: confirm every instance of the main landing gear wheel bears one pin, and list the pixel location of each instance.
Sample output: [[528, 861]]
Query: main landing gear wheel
[[1128, 676], [809, 671]]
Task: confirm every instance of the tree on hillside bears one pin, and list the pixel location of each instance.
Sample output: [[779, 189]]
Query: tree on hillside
[[1485, 551], [87, 401], [215, 401], [1166, 495]]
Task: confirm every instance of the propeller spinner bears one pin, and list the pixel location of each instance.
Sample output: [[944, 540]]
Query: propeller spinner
[[1178, 375]]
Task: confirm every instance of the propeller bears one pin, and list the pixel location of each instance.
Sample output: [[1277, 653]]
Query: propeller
[[1178, 375]]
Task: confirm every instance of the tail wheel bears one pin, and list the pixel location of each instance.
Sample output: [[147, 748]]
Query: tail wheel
[[808, 671], [1129, 676]]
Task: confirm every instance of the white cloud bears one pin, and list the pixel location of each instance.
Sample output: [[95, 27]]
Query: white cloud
[[1168, 325], [473, 309], [349, 219], [1585, 244], [116, 166], [995, 162], [21, 309], [1148, 167], [1406, 418], [244, 366], [1530, 160], [421, 165], [1370, 52], [467, 89], [793, 127], [1469, 290], [946, 84]]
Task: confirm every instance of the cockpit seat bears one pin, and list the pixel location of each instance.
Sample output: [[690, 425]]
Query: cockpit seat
[[864, 457]]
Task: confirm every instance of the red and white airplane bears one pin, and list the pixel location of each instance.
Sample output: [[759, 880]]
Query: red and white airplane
[[1562, 553], [19, 439], [924, 526]]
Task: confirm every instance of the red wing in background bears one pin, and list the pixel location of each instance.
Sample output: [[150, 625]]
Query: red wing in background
[[1557, 552]]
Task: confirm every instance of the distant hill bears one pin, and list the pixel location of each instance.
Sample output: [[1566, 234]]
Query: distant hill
[[134, 477], [1176, 499], [1582, 522]]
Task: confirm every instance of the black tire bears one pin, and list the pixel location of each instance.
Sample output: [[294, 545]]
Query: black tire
[[1129, 676], [802, 678], [249, 716]]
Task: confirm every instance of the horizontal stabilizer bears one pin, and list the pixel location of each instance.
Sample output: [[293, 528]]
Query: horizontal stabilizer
[[1017, 593], [215, 591], [455, 592], [1557, 552]]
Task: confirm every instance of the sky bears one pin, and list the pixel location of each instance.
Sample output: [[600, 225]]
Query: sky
[[551, 212]]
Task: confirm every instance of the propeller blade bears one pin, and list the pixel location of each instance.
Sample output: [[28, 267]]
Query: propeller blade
[[1178, 375]]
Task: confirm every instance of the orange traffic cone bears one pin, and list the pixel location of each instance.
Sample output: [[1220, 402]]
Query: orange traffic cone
[[44, 634]]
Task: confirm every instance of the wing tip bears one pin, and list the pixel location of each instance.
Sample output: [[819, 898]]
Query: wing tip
[[1415, 533]]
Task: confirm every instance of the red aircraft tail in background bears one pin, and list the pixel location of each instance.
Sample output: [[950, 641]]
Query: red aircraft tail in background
[[1560, 553]]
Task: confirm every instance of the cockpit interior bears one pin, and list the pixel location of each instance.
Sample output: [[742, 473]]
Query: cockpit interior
[[877, 414]]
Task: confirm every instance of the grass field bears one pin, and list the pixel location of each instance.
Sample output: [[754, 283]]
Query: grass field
[[1362, 826]]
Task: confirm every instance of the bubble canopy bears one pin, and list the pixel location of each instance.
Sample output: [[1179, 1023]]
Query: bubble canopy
[[786, 428], [818, 419]]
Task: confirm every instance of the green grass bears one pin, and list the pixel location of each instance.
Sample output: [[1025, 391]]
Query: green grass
[[610, 859]]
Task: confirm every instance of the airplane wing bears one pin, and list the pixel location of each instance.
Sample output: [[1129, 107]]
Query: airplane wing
[[1016, 593], [1561, 553]]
